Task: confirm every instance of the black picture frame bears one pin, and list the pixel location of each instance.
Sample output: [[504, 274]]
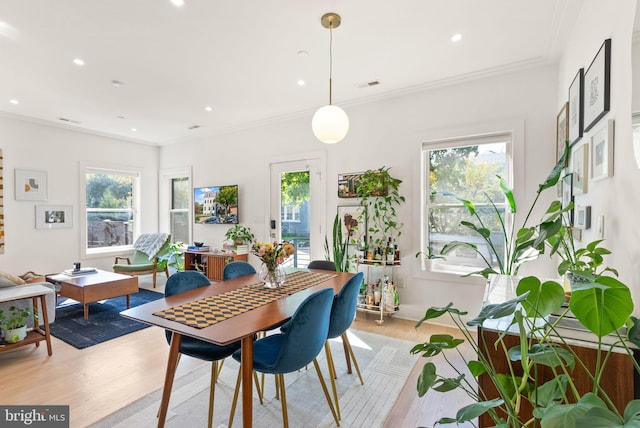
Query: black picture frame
[[567, 195], [562, 132], [576, 111], [597, 86]]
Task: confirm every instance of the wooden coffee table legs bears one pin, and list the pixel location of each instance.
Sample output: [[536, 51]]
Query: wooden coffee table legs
[[86, 307]]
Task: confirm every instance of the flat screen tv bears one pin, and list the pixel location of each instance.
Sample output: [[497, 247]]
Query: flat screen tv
[[216, 204]]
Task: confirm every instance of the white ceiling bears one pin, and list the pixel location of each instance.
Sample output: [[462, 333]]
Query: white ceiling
[[241, 57]]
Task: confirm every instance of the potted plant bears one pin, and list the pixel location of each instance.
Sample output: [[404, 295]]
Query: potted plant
[[579, 264], [380, 198], [14, 325], [339, 250], [540, 346], [520, 245], [173, 257], [240, 235], [429, 256]]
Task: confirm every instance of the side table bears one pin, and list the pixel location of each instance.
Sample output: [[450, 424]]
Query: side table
[[33, 291]]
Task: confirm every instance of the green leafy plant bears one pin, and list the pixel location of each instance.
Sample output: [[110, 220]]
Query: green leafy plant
[[556, 402], [429, 254], [583, 263], [380, 198], [521, 245], [240, 234], [173, 257], [16, 317], [339, 249]]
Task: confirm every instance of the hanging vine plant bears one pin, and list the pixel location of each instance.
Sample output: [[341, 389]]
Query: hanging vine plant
[[380, 198]]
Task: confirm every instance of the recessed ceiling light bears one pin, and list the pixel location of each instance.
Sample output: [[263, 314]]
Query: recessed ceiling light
[[134, 129], [178, 3], [208, 108], [14, 101], [456, 37], [300, 82], [78, 62], [116, 83]]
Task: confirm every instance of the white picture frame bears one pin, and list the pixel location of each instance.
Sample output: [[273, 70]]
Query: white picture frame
[[602, 144], [54, 216], [30, 185], [580, 169]]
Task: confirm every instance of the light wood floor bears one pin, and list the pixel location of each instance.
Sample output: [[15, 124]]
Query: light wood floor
[[99, 380]]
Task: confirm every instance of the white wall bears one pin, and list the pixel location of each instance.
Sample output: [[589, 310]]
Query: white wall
[[616, 198], [27, 145], [387, 132]]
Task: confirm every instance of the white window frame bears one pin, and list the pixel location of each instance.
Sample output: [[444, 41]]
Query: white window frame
[[295, 213], [514, 162], [136, 174], [164, 198]]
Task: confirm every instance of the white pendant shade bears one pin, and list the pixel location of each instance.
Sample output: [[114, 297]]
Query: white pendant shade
[[330, 124]]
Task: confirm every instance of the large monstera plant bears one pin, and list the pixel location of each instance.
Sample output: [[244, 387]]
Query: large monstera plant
[[603, 306]]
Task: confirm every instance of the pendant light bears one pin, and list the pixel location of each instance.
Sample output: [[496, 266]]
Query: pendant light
[[330, 123]]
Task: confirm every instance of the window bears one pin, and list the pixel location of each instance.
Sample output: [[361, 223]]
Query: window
[[179, 211], [467, 168], [110, 214], [290, 214]]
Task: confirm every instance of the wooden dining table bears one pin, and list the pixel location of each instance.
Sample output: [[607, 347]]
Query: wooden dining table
[[239, 327]]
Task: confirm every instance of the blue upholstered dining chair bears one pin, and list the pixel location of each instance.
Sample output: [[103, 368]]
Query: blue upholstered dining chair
[[322, 264], [343, 312], [237, 269], [287, 352], [180, 282]]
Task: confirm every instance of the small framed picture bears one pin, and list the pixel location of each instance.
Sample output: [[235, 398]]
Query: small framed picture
[[30, 185], [347, 185], [602, 142], [580, 168], [597, 81], [352, 222], [576, 113], [583, 217], [54, 216], [562, 132]]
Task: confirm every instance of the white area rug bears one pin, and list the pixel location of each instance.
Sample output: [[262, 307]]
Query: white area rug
[[385, 364]]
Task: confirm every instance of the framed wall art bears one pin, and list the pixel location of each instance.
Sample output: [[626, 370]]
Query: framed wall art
[[30, 185], [583, 217], [347, 185], [576, 113], [602, 142], [54, 216], [580, 169], [562, 132], [352, 222], [597, 83]]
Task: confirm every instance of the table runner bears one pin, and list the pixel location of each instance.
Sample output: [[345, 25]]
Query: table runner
[[210, 310]]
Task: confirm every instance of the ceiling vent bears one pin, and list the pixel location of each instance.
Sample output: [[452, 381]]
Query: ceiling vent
[[64, 119], [368, 84]]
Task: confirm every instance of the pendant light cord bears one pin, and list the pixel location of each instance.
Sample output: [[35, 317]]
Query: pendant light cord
[[330, 61]]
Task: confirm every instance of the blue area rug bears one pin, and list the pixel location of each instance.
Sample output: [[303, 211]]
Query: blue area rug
[[104, 323]]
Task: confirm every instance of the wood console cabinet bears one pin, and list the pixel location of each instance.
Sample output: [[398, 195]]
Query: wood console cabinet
[[211, 264], [617, 379]]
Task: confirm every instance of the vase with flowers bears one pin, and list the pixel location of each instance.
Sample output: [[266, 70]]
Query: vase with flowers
[[272, 256]]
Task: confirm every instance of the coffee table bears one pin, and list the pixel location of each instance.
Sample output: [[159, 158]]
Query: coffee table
[[92, 287]]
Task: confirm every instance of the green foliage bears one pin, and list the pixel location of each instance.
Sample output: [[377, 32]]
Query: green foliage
[[240, 233], [16, 318], [585, 263], [173, 257], [295, 187], [520, 245], [380, 197], [228, 195], [339, 249], [108, 190], [603, 306]]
